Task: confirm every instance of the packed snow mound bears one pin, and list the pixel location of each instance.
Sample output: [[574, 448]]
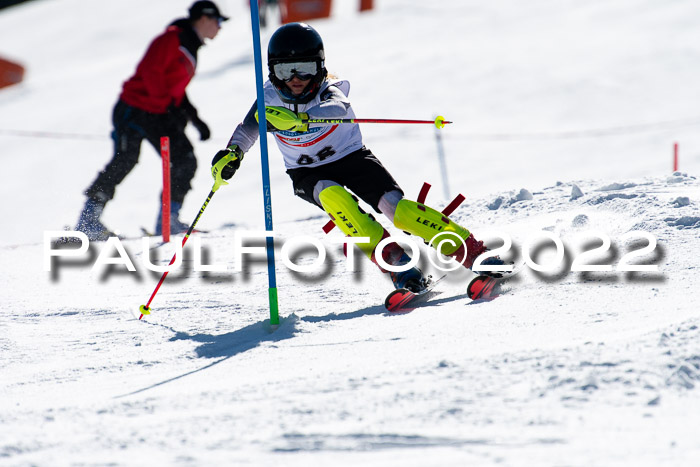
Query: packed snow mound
[[652, 203]]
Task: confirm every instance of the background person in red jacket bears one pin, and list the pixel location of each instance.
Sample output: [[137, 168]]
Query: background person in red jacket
[[153, 103]]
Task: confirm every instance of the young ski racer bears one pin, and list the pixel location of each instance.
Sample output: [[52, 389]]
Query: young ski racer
[[329, 163]]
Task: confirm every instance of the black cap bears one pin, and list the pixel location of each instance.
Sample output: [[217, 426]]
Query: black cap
[[206, 8]]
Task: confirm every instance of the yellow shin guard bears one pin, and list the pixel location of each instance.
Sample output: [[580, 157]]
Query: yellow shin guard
[[346, 214], [426, 222]]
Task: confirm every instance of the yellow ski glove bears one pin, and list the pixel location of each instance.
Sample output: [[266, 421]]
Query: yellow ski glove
[[225, 164]]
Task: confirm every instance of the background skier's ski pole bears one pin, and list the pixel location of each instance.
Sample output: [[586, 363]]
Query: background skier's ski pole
[[439, 122], [145, 309]]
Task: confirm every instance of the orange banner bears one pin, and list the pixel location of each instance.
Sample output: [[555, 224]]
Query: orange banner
[[10, 73]]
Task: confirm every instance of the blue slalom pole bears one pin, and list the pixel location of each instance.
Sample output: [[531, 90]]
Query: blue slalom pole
[[267, 195]]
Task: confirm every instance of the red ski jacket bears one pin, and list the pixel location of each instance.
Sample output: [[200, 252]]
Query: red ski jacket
[[165, 70]]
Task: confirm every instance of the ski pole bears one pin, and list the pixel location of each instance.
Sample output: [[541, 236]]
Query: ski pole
[[439, 122], [145, 309], [284, 119], [218, 182]]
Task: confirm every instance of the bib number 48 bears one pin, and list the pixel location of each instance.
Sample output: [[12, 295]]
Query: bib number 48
[[320, 156]]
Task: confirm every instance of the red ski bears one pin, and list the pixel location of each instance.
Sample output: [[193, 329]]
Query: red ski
[[400, 298], [483, 288], [488, 287]]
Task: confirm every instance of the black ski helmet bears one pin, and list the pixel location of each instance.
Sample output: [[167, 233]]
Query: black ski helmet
[[296, 42]]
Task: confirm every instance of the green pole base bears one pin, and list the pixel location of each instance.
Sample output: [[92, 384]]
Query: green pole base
[[274, 307]]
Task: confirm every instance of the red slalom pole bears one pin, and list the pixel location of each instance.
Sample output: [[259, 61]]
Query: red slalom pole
[[165, 208], [675, 157]]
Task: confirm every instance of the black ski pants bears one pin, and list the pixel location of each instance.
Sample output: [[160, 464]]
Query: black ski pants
[[131, 127]]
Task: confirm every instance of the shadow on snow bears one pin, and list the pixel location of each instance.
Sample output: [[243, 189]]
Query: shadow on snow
[[230, 344], [224, 346]]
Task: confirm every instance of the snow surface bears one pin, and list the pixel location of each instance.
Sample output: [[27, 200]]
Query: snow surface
[[565, 114]]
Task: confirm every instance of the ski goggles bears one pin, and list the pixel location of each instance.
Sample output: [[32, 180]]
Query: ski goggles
[[302, 70]]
